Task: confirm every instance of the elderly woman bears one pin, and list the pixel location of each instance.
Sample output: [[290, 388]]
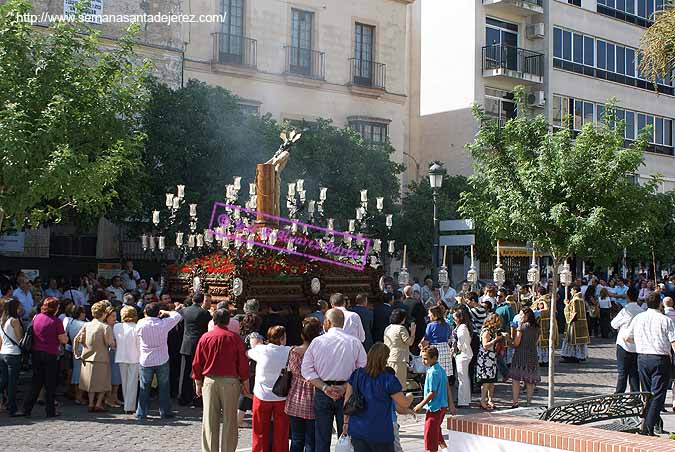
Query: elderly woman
[[270, 359], [77, 321], [127, 356], [96, 338], [399, 340], [48, 336]]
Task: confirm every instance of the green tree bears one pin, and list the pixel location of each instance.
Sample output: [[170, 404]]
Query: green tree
[[654, 239], [657, 45], [569, 195], [198, 136], [68, 116]]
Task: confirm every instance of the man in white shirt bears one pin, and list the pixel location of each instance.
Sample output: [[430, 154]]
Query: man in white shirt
[[618, 293], [129, 276], [448, 295], [24, 295], [626, 354], [352, 323], [115, 289], [654, 336]]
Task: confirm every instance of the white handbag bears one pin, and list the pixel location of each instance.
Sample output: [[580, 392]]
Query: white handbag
[[417, 365], [344, 444]]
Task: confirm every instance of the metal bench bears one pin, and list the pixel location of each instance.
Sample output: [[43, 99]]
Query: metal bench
[[629, 409]]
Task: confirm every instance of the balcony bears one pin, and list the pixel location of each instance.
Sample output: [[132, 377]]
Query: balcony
[[235, 50], [305, 63], [503, 61], [367, 74], [518, 7]]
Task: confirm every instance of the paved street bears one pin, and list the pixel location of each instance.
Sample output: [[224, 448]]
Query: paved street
[[78, 430]]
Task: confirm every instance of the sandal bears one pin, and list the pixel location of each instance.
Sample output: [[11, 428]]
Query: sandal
[[514, 406], [484, 407]]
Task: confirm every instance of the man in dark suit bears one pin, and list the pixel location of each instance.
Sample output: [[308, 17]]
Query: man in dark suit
[[196, 322], [366, 315], [381, 316]]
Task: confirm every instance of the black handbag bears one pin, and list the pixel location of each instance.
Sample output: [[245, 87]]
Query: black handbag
[[283, 383], [26, 342], [356, 403]]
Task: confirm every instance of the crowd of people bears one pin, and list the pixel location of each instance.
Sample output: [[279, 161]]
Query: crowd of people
[[353, 364]]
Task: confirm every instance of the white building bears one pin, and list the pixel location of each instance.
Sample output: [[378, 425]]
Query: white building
[[571, 55]]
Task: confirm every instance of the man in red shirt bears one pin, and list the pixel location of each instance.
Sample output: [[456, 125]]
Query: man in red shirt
[[220, 370]]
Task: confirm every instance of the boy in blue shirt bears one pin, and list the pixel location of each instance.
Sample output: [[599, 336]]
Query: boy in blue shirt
[[435, 401]]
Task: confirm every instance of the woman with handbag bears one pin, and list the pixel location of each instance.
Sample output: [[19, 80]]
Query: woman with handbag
[[300, 400], [369, 403], [271, 359], [11, 333]]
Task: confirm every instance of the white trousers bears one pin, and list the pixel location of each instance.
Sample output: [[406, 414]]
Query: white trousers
[[463, 379], [129, 373]]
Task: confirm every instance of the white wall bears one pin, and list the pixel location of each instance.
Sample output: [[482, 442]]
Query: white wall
[[464, 442]]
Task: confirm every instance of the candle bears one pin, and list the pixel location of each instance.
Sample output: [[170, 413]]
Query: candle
[[405, 248], [497, 251], [162, 243], [359, 216], [391, 247], [364, 195], [330, 223], [208, 237], [191, 240], [152, 243], [179, 239], [377, 245], [273, 237], [229, 191], [445, 250], [352, 224], [319, 208], [389, 220], [176, 202], [302, 194], [181, 191], [304, 229], [300, 184], [200, 240], [155, 217], [291, 189], [237, 182], [294, 228], [169, 200], [251, 189], [237, 214], [322, 193], [144, 242], [193, 210], [249, 245], [472, 255], [310, 207], [380, 203]]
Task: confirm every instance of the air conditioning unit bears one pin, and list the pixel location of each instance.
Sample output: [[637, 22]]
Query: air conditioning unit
[[536, 99], [535, 31]]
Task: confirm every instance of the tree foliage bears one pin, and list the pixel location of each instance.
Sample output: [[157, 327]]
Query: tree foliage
[[657, 45], [68, 119], [198, 136], [570, 195]]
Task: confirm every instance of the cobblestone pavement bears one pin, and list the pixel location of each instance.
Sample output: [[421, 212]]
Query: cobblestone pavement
[[78, 430]]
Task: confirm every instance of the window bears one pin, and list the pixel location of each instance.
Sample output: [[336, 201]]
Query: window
[[658, 131], [578, 41], [668, 132], [301, 41], [557, 43], [589, 48], [372, 132], [630, 125], [567, 45], [500, 105], [630, 62], [574, 2], [602, 54], [600, 113], [232, 36], [588, 112], [364, 53], [620, 60], [502, 39], [249, 109], [610, 58], [578, 114]]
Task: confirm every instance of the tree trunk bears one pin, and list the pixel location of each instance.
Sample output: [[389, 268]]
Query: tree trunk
[[552, 325]]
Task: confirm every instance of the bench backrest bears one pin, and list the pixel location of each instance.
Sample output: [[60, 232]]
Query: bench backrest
[[599, 408]]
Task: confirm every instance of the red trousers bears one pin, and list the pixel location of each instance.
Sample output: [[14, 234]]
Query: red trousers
[[432, 429], [263, 414]]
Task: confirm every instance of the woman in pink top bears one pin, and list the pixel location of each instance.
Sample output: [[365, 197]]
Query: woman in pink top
[[48, 336], [300, 400]]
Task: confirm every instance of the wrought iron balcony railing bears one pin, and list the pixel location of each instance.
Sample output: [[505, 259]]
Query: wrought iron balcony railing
[[235, 49], [368, 73], [522, 61], [305, 63]]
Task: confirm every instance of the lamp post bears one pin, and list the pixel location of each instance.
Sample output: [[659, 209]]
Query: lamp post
[[436, 173]]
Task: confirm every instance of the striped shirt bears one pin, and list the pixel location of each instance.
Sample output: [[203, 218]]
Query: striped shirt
[[153, 333], [478, 316], [652, 332]]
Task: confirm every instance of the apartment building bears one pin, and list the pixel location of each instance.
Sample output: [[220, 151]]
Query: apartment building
[[571, 56], [344, 60]]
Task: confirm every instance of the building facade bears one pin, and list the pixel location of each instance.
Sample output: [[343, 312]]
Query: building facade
[[344, 60], [571, 56]]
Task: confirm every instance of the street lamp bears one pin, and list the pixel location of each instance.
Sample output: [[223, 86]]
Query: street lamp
[[436, 173], [565, 276], [499, 273], [533, 273]]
